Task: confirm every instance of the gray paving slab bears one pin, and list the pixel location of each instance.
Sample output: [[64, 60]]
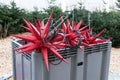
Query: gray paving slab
[[114, 75]]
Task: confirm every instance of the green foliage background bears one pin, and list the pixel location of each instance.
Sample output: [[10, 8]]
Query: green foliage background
[[99, 19]]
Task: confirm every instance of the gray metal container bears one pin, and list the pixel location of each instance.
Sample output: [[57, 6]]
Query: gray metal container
[[87, 64]]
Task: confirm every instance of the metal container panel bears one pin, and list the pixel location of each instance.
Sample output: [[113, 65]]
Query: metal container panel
[[87, 64]]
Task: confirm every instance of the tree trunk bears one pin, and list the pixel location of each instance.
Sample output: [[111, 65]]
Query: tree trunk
[[5, 30], [1, 31], [0, 34]]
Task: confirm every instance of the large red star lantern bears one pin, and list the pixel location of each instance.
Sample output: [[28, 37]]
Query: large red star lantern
[[37, 40]]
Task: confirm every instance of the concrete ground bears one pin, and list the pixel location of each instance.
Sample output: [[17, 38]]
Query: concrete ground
[[115, 75]]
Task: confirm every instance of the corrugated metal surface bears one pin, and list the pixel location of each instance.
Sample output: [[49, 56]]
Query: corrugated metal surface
[[87, 64]]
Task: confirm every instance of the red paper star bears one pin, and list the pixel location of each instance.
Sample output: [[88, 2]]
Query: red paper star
[[37, 40]]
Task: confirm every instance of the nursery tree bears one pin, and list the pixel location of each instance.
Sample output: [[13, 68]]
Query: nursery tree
[[54, 9], [35, 13], [10, 18], [4, 18], [16, 14], [118, 3], [110, 21], [80, 14]]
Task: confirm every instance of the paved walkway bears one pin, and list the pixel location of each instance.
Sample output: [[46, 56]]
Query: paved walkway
[[115, 75]]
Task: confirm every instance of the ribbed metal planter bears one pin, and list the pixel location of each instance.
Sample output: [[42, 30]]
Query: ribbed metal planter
[[87, 64]]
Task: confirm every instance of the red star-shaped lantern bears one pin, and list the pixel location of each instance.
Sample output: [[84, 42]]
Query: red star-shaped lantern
[[37, 40]]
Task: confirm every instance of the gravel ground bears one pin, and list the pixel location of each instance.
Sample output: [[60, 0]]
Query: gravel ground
[[5, 56], [6, 59], [115, 60]]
